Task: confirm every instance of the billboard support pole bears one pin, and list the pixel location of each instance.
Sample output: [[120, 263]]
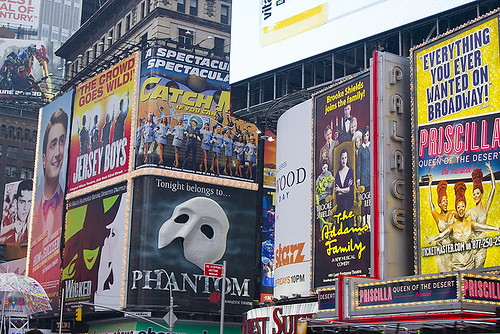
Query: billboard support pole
[[171, 312], [223, 298], [61, 309]]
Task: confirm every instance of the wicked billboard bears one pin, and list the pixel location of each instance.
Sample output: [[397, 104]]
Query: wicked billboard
[[101, 128], [342, 160], [180, 225], [184, 120], [456, 153], [94, 248]]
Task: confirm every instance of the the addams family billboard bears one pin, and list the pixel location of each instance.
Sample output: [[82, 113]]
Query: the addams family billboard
[[456, 153], [172, 240], [342, 160], [184, 121]]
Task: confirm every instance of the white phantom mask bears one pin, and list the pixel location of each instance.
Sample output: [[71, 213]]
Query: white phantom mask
[[203, 225]]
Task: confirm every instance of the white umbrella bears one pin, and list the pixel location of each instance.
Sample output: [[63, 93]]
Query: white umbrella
[[21, 296]]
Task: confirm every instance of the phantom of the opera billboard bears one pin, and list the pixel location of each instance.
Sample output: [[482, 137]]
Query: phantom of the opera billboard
[[342, 222], [101, 127], [178, 226], [95, 248], [17, 199], [184, 121], [456, 154], [44, 242], [27, 69]]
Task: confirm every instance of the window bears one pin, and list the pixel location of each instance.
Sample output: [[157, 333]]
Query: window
[[45, 31], [193, 7], [119, 30], [148, 6], [95, 52], [11, 132], [127, 23], [3, 131], [110, 37], [218, 46], [28, 155], [144, 39], [143, 10], [224, 14], [185, 38], [10, 171], [27, 135], [19, 134], [12, 152], [181, 6], [26, 173], [34, 136], [55, 34]]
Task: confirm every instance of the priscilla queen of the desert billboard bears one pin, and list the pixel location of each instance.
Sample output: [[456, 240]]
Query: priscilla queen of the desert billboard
[[457, 148]]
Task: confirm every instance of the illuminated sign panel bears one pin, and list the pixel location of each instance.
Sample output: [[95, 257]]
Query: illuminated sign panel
[[456, 149], [342, 168], [265, 34], [101, 127]]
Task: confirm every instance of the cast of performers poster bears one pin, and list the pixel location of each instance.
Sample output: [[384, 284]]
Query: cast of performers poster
[[101, 127], [342, 161], [16, 211], [44, 259], [172, 240], [184, 121], [457, 151], [94, 248]]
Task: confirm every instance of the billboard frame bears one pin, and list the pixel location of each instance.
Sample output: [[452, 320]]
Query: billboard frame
[[415, 125]]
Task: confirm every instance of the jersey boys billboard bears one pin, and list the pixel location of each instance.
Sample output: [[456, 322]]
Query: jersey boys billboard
[[94, 248], [457, 124], [342, 160], [179, 226], [100, 134]]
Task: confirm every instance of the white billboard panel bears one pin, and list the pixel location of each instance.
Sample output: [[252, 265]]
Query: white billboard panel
[[269, 34], [20, 13], [292, 246]]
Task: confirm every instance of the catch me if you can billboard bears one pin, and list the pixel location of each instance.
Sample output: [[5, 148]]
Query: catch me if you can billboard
[[184, 121], [457, 124]]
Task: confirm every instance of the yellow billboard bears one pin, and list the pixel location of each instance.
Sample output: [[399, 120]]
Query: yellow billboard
[[457, 149]]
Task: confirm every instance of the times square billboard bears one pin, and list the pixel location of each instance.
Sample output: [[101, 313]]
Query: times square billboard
[[178, 226], [184, 121], [46, 224], [28, 70], [265, 34], [456, 146], [100, 137]]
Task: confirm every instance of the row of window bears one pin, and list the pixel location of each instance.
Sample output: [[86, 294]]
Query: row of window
[[13, 153], [185, 36], [209, 9], [107, 40], [11, 171], [18, 134]]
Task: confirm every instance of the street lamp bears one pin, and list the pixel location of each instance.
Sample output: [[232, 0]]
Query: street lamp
[[171, 306], [203, 40]]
